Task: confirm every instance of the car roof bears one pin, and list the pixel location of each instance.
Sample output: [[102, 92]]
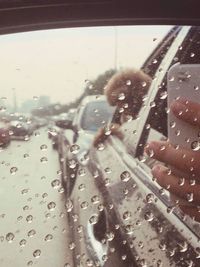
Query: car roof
[[26, 15]]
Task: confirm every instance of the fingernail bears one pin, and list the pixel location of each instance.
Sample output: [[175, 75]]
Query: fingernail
[[150, 149], [156, 169]]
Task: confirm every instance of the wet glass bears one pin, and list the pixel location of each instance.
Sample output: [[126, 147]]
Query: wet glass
[[79, 110]]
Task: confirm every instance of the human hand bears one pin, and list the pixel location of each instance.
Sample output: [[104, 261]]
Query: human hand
[[184, 189]]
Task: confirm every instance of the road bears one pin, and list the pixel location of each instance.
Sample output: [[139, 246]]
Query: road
[[33, 219]]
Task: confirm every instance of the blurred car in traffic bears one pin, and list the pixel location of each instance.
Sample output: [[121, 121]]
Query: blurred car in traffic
[[64, 121], [20, 130], [4, 135], [126, 218], [93, 113]]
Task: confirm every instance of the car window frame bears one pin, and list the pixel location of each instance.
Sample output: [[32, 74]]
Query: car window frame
[[132, 142]]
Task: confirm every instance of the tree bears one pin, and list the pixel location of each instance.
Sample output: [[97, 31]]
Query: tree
[[93, 87]]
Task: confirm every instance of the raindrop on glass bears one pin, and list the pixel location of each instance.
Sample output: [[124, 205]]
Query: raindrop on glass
[[37, 253], [10, 237], [13, 170], [48, 237], [51, 205], [55, 183], [44, 160], [43, 147], [69, 205], [93, 219], [125, 176], [74, 149]]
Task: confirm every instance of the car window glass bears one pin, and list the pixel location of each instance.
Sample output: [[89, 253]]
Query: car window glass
[[77, 107]]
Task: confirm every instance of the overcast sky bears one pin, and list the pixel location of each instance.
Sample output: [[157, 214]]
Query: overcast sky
[[57, 62]]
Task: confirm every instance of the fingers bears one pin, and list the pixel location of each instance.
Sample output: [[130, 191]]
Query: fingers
[[178, 186], [187, 111], [182, 159], [193, 212]]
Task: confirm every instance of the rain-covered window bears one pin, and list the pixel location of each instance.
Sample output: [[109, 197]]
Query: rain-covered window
[[99, 146]]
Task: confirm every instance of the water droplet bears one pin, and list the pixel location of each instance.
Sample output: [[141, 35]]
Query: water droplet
[[121, 96], [100, 207], [81, 187], [195, 145], [44, 160], [172, 124], [26, 155], [48, 237], [129, 229], [74, 149], [43, 147], [37, 253], [95, 199], [127, 215], [23, 242], [31, 233], [51, 205], [162, 246], [44, 195], [35, 97], [183, 246], [82, 172], [107, 170], [100, 146], [29, 263], [150, 198], [170, 209], [69, 205], [72, 245], [72, 163], [148, 216], [152, 104], [125, 176], [190, 197], [29, 218], [55, 183], [128, 82], [2, 108], [10, 237], [110, 236], [163, 95], [181, 181], [84, 205], [93, 219], [13, 170]]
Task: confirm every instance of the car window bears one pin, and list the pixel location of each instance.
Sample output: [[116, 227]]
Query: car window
[[77, 108], [156, 125], [96, 115]]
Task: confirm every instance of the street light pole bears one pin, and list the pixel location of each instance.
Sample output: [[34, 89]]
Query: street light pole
[[14, 100]]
